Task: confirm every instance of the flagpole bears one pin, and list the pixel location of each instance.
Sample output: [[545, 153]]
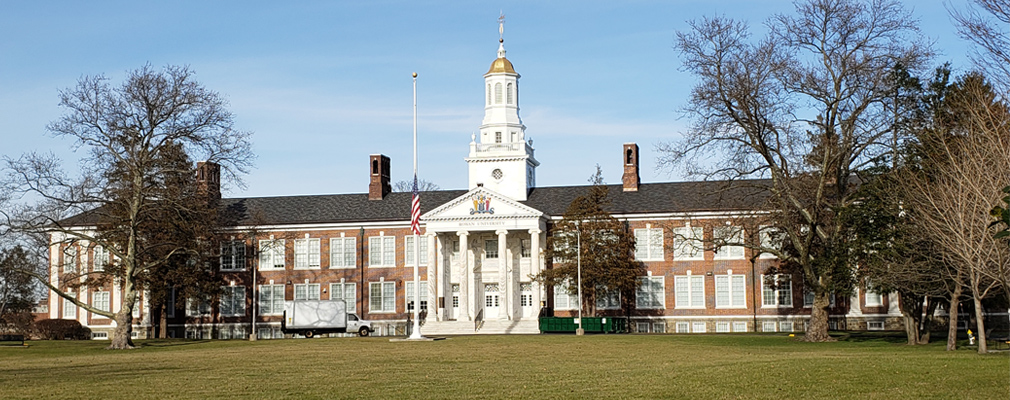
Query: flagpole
[[416, 332]]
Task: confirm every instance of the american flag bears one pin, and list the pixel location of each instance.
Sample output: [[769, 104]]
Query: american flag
[[415, 209]]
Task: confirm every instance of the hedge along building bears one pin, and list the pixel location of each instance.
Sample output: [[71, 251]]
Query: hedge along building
[[479, 248]]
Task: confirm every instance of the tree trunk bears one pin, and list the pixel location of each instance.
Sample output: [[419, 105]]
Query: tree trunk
[[910, 313], [121, 337], [818, 329], [952, 311], [163, 321], [926, 323], [980, 325], [911, 330]]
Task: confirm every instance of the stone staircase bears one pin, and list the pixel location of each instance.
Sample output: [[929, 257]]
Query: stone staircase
[[489, 327]]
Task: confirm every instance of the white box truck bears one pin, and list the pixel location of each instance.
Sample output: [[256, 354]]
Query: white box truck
[[309, 317]]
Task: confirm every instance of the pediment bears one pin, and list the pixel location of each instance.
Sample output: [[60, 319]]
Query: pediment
[[481, 204]]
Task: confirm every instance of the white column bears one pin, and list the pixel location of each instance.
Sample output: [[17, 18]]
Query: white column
[[535, 267], [892, 304], [854, 309], [433, 280], [54, 279], [465, 277], [504, 291]]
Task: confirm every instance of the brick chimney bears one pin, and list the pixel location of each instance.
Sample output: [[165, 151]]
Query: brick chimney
[[378, 177], [208, 179], [630, 159]]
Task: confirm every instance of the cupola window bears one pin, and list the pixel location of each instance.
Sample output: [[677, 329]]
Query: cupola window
[[489, 94], [497, 137], [497, 93], [508, 93]]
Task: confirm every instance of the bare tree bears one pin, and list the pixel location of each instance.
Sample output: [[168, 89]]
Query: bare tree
[[964, 163], [991, 36], [128, 131], [422, 186], [805, 107]]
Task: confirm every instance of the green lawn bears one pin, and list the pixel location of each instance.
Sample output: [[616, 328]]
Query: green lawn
[[529, 367]]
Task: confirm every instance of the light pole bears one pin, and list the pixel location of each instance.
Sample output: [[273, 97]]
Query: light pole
[[578, 246]]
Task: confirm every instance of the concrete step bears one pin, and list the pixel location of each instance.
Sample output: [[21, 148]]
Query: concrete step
[[491, 327]]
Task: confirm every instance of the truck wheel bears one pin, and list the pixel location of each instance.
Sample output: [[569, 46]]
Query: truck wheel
[[363, 332], [309, 334]]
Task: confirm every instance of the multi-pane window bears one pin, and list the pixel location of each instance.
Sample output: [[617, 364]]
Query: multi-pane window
[[722, 327], [307, 291], [409, 296], [873, 299], [69, 308], [688, 244], [650, 292], [455, 295], [271, 301], [100, 300], [345, 291], [526, 294], [808, 299], [491, 297], [232, 300], [408, 249], [491, 248], [730, 291], [343, 252], [689, 291], [381, 251], [232, 255], [70, 259], [768, 326], [649, 244], [608, 299], [381, 297], [194, 307], [776, 291], [698, 327], [728, 235], [564, 298], [306, 253], [272, 254], [683, 327], [101, 259], [524, 248], [739, 327], [771, 238]]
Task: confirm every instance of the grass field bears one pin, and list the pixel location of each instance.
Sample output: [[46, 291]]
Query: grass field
[[529, 367]]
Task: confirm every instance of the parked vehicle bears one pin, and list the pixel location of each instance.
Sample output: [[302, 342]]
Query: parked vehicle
[[311, 317]]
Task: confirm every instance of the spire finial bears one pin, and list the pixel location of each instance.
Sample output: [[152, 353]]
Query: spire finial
[[501, 26]]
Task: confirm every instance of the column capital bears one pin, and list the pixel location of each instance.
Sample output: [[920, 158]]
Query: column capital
[[535, 231], [462, 233], [501, 232]]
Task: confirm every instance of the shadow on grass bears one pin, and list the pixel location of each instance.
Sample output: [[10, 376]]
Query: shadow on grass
[[882, 337], [157, 343]]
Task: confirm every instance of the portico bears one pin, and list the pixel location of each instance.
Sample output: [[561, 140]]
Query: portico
[[486, 249]]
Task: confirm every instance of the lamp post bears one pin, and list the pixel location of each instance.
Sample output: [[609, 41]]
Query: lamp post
[[578, 246]]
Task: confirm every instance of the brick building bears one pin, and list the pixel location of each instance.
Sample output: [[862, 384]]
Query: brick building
[[478, 249]]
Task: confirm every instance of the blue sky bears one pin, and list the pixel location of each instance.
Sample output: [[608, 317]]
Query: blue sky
[[324, 84]]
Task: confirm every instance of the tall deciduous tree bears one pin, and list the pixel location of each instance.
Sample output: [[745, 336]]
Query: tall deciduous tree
[[988, 27], [964, 161], [131, 133], [607, 249], [18, 292], [806, 108]]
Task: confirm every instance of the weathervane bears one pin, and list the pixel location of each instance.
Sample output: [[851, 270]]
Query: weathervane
[[501, 26]]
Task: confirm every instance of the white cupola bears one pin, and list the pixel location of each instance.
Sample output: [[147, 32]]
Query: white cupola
[[501, 158]]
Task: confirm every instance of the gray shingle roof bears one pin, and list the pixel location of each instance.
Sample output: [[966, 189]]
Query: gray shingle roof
[[668, 197]]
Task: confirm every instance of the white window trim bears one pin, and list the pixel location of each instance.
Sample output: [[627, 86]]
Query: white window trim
[[272, 250], [727, 252], [340, 256], [561, 291], [259, 300], [226, 291], [235, 260], [662, 282], [69, 308], [687, 240], [654, 251], [352, 302], [408, 250], [107, 300], [383, 241], [101, 259], [408, 295], [764, 236], [866, 298], [690, 291], [307, 248], [312, 290], [732, 295], [778, 304], [382, 297], [605, 293]]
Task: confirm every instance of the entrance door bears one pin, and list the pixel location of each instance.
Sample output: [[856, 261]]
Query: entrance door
[[491, 300], [526, 300]]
